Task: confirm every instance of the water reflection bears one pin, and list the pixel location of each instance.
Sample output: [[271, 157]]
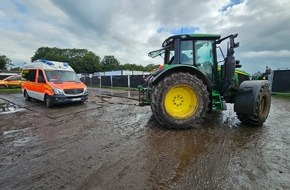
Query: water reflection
[[9, 108], [124, 94]]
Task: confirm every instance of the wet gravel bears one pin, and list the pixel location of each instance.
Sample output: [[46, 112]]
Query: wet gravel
[[111, 143]]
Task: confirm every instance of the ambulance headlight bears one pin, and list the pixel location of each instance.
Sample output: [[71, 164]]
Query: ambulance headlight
[[85, 90], [57, 91]]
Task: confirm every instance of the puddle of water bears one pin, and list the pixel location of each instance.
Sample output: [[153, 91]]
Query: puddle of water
[[13, 131], [20, 137], [6, 108], [229, 116], [22, 142], [125, 94]]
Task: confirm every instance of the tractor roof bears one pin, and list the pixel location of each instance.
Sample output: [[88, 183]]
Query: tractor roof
[[170, 40]]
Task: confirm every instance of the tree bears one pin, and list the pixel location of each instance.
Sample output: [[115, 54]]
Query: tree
[[5, 62], [16, 69], [110, 63], [150, 67], [81, 60]]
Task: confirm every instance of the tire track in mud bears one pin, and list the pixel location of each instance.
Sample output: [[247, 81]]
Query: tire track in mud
[[116, 162], [47, 136], [179, 155], [55, 139]]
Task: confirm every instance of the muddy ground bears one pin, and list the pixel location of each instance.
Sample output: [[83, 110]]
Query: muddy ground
[[110, 143]]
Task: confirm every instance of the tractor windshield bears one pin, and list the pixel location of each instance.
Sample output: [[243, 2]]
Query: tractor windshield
[[204, 57]]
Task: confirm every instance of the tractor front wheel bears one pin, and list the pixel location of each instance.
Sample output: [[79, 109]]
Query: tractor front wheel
[[179, 101]]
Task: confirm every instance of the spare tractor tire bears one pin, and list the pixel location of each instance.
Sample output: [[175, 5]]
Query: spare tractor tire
[[179, 101], [261, 109]]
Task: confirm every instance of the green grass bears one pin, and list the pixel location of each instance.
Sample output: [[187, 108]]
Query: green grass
[[10, 90], [281, 95]]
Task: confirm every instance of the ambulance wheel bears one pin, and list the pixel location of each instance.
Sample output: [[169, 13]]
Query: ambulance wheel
[[48, 101], [26, 96]]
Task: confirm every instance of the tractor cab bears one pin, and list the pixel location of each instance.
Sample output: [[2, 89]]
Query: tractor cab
[[199, 51], [196, 50]]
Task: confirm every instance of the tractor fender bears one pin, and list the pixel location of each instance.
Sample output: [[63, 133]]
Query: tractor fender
[[181, 68], [247, 96]]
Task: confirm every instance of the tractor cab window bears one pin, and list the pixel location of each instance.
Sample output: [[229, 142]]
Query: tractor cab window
[[171, 57], [204, 57], [186, 52]]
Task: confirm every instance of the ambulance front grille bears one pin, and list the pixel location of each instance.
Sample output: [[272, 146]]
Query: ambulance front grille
[[74, 91]]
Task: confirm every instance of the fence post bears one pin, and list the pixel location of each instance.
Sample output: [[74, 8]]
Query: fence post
[[90, 76], [129, 85]]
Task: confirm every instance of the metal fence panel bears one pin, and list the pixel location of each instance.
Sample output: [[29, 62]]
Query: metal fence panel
[[281, 81]]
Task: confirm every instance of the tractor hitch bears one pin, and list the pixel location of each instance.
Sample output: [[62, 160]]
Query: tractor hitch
[[144, 95]]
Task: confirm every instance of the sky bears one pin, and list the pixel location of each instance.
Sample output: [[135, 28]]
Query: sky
[[129, 29]]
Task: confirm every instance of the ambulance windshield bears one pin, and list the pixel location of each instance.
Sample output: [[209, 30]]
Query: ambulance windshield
[[61, 76]]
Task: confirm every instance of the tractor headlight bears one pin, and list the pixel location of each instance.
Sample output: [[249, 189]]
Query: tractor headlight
[[57, 91]]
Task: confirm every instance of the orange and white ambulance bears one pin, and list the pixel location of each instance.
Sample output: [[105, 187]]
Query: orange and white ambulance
[[52, 82]]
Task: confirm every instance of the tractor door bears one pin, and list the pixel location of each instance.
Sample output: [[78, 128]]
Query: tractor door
[[204, 57]]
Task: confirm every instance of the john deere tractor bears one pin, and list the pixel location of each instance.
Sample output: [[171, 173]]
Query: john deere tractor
[[192, 82]]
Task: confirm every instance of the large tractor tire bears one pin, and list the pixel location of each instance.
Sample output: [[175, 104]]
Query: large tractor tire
[[261, 99], [179, 101]]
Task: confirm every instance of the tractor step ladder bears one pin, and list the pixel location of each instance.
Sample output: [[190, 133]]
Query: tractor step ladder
[[217, 102]]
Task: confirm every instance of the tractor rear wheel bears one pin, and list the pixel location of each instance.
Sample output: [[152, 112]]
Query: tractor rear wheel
[[179, 101], [262, 109]]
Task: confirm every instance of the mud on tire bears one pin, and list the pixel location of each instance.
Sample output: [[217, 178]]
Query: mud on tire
[[262, 109], [195, 101]]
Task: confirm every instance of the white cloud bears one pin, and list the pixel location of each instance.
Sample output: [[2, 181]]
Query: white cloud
[[272, 54], [128, 29]]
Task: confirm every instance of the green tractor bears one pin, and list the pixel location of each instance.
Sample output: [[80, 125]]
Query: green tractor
[[192, 81]]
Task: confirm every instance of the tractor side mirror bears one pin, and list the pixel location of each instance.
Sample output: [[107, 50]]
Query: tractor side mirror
[[236, 45], [238, 64]]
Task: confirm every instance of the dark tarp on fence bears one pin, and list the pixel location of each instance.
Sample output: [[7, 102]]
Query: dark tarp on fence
[[106, 80], [281, 81], [95, 80], [136, 80], [118, 81]]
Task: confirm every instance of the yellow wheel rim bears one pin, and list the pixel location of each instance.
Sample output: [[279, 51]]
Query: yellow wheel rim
[[180, 102]]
